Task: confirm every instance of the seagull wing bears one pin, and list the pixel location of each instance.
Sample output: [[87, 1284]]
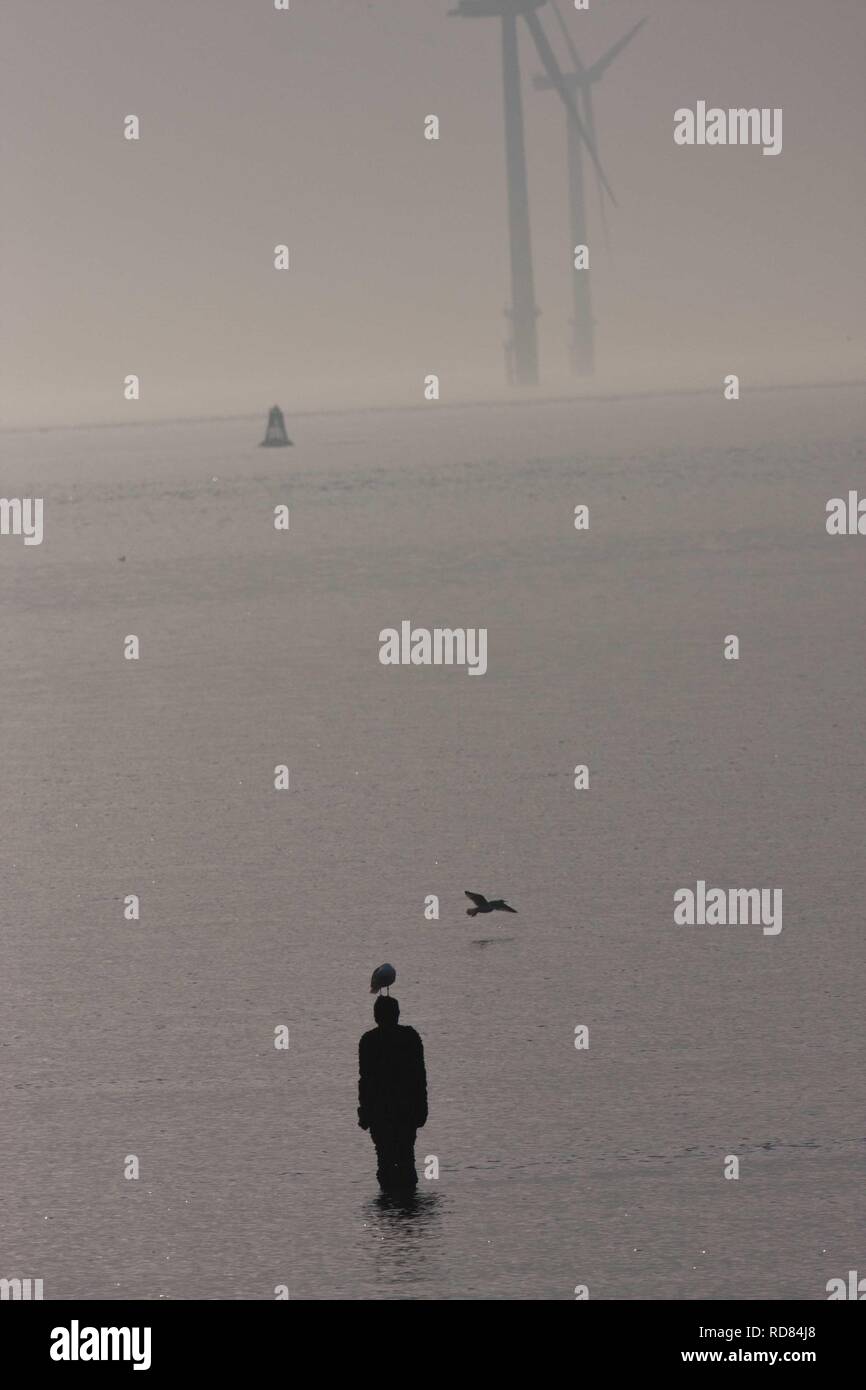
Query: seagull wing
[[478, 898]]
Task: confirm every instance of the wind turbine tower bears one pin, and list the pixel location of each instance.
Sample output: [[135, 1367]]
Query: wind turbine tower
[[522, 350]]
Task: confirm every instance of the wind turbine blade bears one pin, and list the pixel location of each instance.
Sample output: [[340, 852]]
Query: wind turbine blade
[[589, 118], [551, 67], [569, 41], [604, 62]]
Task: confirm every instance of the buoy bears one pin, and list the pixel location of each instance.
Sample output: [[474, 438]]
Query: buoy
[[275, 434]]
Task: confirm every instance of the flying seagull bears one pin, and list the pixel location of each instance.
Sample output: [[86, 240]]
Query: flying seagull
[[383, 977], [482, 905]]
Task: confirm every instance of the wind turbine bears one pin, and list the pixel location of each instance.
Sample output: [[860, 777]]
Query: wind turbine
[[523, 348], [580, 82]]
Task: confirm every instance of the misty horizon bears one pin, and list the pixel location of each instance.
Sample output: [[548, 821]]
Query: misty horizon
[[155, 257]]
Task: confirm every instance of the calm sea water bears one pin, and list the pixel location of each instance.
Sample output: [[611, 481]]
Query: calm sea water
[[557, 1167]]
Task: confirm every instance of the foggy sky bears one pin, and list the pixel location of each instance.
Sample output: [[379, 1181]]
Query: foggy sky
[[259, 127]]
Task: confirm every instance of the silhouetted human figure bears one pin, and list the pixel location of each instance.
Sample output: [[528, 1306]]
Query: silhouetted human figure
[[392, 1093]]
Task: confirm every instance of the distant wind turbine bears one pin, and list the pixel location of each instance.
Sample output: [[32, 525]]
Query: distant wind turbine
[[523, 348], [580, 82]]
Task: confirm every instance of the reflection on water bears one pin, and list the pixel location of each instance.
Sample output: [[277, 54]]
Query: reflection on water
[[407, 1230]]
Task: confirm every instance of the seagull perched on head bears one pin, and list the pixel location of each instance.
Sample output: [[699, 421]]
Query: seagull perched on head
[[383, 977], [482, 905]]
